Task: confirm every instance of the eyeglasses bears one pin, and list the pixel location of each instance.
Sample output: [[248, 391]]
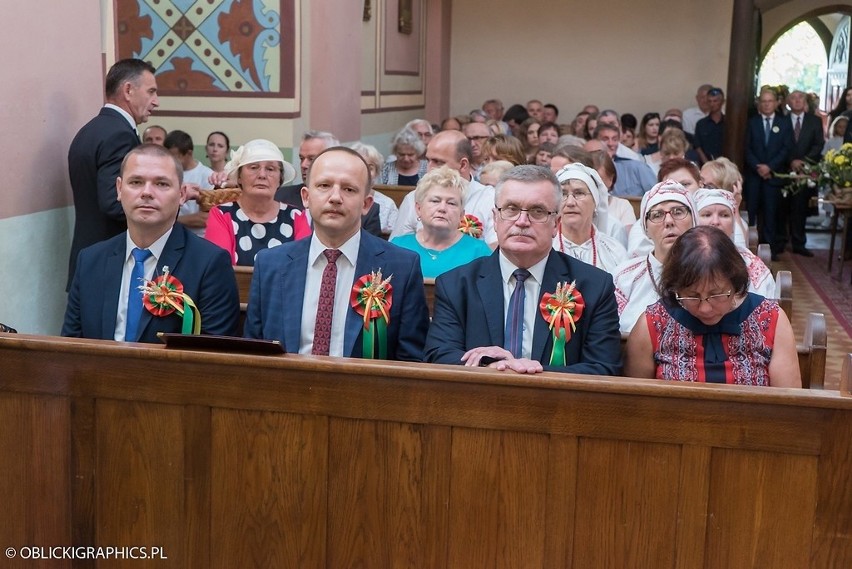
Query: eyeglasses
[[658, 215], [578, 195], [535, 214], [477, 138], [693, 303]]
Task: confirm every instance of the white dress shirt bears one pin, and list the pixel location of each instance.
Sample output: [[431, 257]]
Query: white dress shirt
[[151, 263], [125, 114], [342, 288], [532, 291]]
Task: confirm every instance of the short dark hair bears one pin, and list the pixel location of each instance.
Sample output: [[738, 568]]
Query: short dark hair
[[701, 252], [552, 107], [517, 113], [151, 149], [464, 149], [349, 151], [548, 125], [715, 91], [123, 71], [180, 140], [629, 122]]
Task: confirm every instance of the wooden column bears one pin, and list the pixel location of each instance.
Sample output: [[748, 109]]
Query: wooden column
[[741, 74]]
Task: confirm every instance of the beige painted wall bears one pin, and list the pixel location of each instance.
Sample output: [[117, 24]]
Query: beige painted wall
[[52, 84], [581, 51]]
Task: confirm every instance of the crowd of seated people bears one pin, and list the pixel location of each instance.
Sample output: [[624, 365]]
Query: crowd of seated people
[[509, 206]]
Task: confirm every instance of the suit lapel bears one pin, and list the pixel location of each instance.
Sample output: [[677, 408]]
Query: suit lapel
[[171, 257], [293, 290], [489, 284], [111, 280], [554, 271], [370, 258]]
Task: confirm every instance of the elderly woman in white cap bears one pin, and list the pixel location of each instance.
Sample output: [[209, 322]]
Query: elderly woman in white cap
[[256, 221], [581, 232], [667, 211], [716, 208]]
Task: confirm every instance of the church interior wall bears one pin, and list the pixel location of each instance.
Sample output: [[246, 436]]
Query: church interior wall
[[617, 54]]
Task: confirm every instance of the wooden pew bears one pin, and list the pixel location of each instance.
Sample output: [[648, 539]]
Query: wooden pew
[[753, 239], [812, 352], [243, 275], [636, 202], [784, 292], [846, 376], [396, 193], [246, 461], [429, 289], [764, 252]]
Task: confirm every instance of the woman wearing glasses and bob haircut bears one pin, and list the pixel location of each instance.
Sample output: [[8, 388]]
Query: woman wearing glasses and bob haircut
[[666, 212], [707, 327]]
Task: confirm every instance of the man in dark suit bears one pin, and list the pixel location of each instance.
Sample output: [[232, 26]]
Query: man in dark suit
[[97, 150], [808, 140], [301, 291], [487, 313], [769, 144], [105, 301]]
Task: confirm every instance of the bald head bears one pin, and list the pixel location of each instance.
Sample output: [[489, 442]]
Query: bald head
[[450, 148]]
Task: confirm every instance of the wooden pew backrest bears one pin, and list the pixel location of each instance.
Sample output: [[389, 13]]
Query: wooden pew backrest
[[812, 352], [396, 193]]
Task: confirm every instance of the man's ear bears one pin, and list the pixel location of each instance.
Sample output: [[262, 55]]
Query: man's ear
[[305, 201], [118, 188]]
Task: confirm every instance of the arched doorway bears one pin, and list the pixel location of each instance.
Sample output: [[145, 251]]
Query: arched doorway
[[810, 53]]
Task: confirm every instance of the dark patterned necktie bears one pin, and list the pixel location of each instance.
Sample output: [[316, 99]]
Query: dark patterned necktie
[[797, 130], [325, 306], [513, 337]]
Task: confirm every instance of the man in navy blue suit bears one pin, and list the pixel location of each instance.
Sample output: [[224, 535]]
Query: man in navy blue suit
[[300, 292], [487, 313], [95, 154], [105, 300], [769, 145]]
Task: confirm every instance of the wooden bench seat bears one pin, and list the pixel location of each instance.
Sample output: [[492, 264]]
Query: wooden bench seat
[[396, 193], [235, 460]]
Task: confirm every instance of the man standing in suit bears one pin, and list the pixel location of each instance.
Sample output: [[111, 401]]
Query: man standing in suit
[[769, 144], [489, 312], [301, 292], [95, 155], [105, 300], [808, 140]]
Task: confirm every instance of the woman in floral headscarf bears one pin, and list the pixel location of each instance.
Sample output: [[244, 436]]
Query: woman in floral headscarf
[[255, 220]]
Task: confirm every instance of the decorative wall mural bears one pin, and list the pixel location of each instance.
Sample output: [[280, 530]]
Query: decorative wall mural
[[211, 46]]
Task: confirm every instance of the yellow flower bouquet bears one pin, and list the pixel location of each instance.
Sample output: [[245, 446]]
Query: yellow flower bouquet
[[836, 168]]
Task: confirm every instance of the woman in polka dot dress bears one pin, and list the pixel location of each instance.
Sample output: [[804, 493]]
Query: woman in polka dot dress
[[256, 221]]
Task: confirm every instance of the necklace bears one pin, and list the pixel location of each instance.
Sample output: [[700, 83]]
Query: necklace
[[650, 272], [594, 246], [433, 254]]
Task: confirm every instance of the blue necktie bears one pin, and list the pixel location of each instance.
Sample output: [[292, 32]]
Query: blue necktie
[[134, 297], [767, 130], [513, 336]]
